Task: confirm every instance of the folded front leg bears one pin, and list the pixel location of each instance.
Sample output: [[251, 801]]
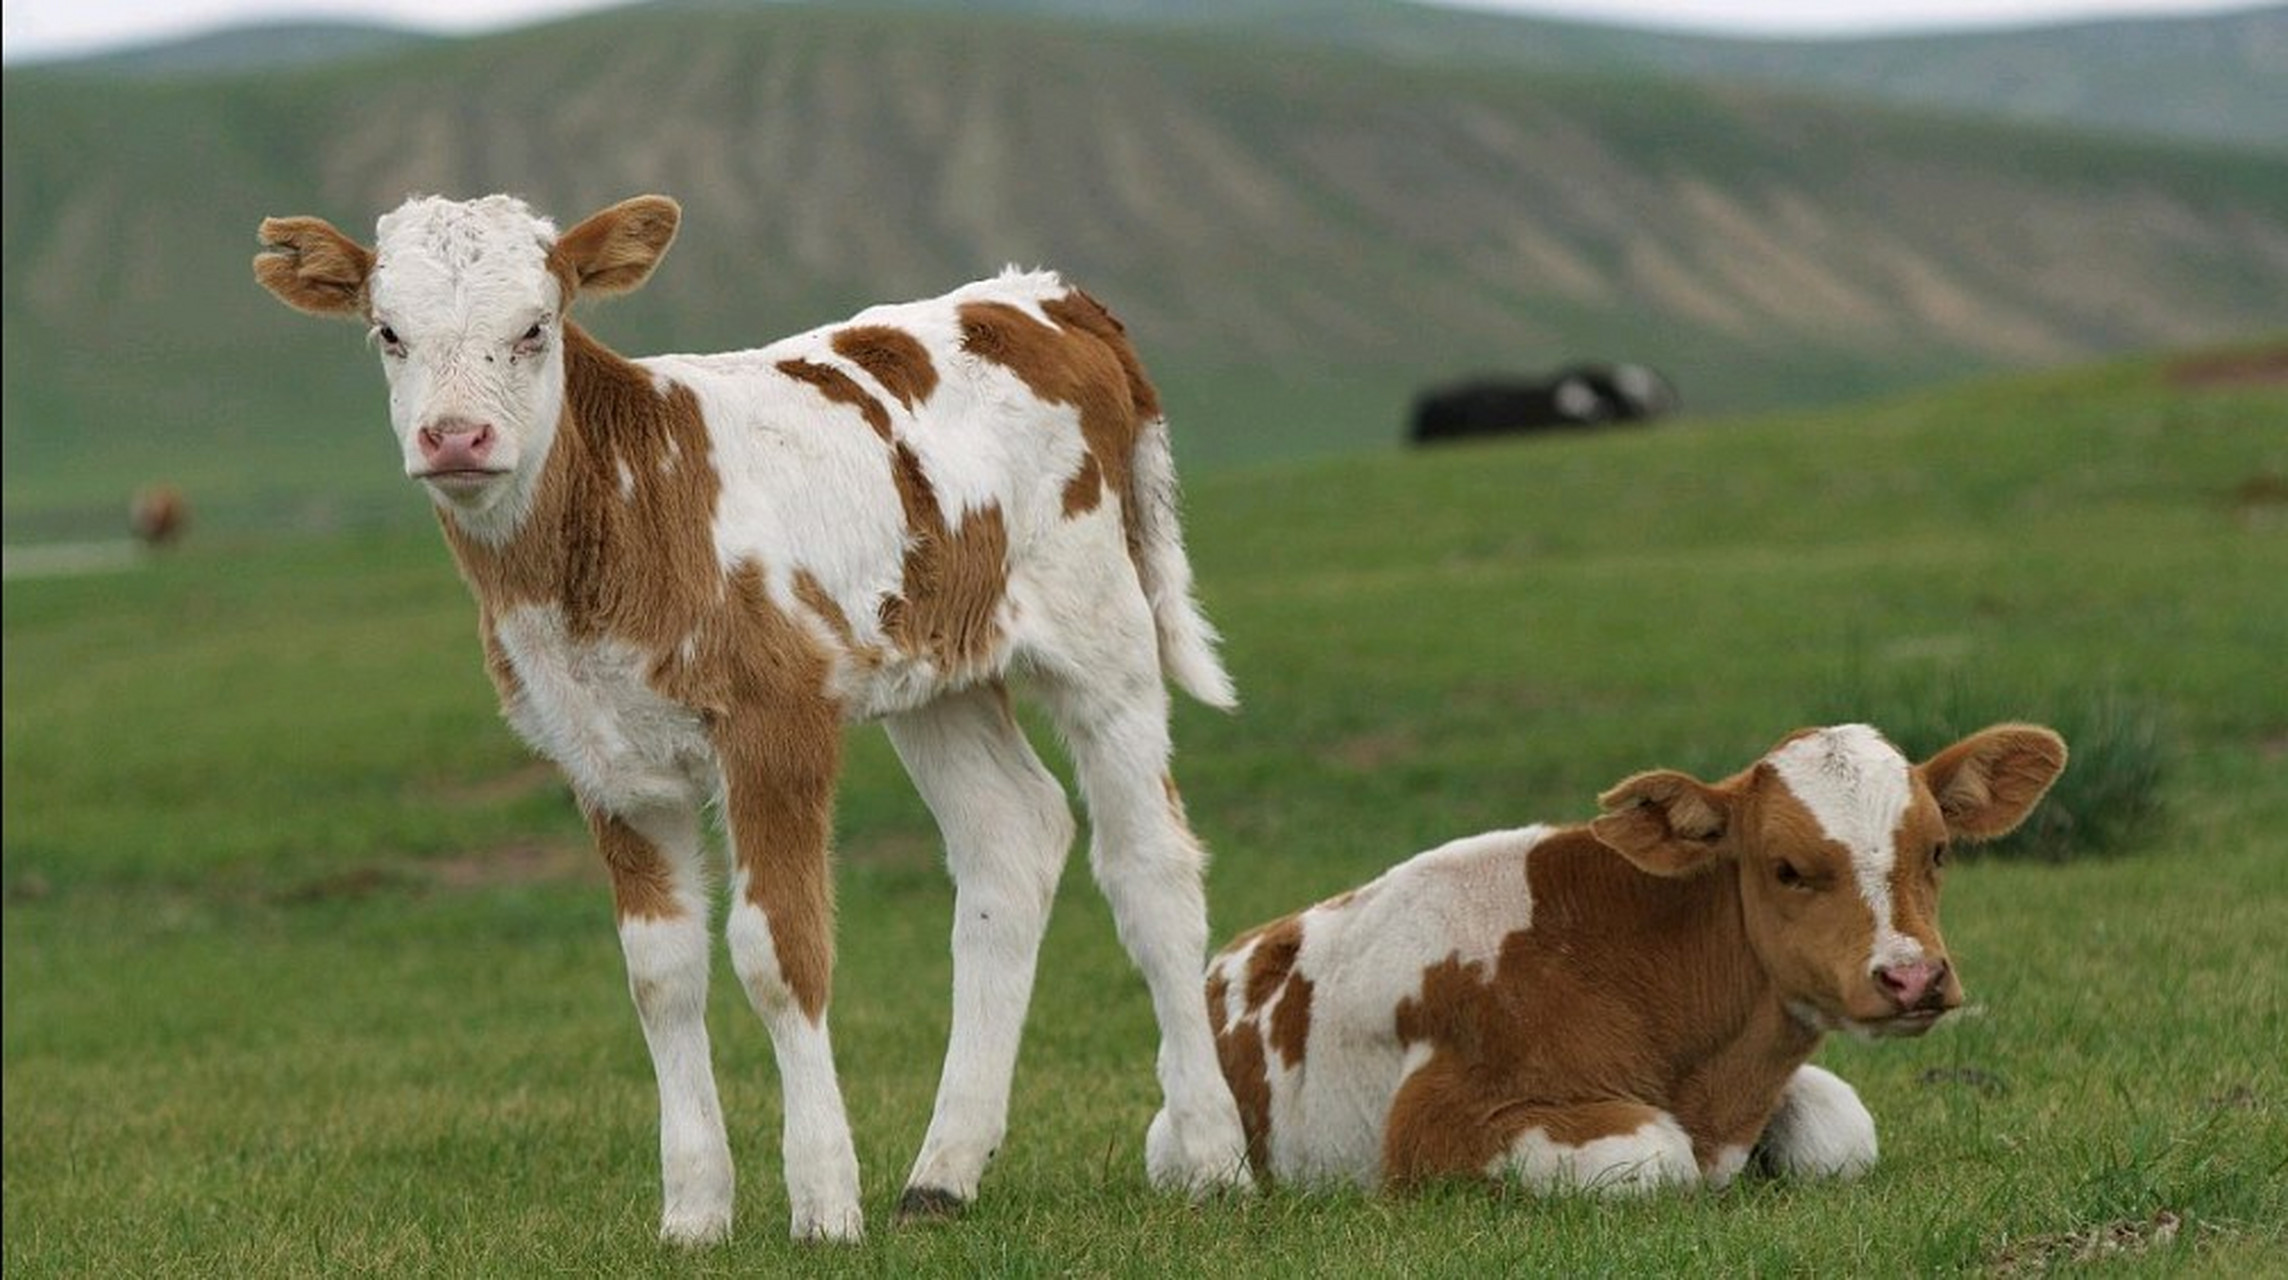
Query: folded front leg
[[1821, 1129]]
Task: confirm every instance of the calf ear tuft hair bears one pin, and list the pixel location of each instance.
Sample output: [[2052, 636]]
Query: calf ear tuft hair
[[1667, 823], [1987, 783], [312, 267], [614, 251]]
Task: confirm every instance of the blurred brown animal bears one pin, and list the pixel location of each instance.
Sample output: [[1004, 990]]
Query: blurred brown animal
[[159, 514]]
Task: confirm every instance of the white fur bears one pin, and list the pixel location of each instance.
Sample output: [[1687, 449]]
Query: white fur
[[1007, 829], [459, 284], [1656, 1155], [667, 963], [587, 706], [821, 1163], [1821, 1129]]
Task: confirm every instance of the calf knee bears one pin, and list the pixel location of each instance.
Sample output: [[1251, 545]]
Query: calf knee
[[1821, 1129]]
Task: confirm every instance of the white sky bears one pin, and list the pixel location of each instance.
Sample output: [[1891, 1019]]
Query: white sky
[[45, 28]]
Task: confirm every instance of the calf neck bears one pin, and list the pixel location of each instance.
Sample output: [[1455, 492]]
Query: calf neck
[[692, 571]]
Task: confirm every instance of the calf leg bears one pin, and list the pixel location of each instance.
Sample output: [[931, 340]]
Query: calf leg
[[1444, 1124], [1149, 866], [778, 790], [659, 891], [1613, 1148], [1820, 1129], [1006, 830]]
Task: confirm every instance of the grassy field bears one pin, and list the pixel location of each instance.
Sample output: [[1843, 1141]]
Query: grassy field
[[307, 969]]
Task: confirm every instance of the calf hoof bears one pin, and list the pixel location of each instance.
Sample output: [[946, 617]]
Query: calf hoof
[[828, 1226], [930, 1204], [695, 1230], [1210, 1161]]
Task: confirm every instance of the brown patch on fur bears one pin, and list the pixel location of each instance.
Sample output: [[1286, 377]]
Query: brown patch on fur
[[895, 358], [1175, 801], [841, 388], [643, 572], [779, 739], [643, 885], [1290, 1030], [1085, 491], [813, 596], [1078, 311], [1084, 361], [1637, 986], [955, 576], [1273, 959], [1239, 1049]]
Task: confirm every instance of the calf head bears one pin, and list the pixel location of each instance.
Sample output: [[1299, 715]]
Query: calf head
[[466, 300], [1839, 844]]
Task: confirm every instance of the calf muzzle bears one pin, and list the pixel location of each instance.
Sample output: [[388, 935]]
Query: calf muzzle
[[1916, 987]]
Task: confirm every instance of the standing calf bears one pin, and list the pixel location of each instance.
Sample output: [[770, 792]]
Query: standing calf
[[691, 571], [1626, 1004]]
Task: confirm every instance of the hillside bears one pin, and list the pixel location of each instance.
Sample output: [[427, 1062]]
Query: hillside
[[254, 48], [2208, 77], [1298, 241]]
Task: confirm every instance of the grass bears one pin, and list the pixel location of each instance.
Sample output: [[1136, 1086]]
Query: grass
[[306, 970]]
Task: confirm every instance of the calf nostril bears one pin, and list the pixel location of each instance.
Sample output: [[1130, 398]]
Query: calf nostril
[[1910, 985]]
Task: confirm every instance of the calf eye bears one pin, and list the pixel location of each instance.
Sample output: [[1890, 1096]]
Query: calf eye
[[531, 341], [1938, 854], [390, 341], [1789, 877]]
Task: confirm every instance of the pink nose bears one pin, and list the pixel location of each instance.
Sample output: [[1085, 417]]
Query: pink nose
[[456, 444], [1911, 986]]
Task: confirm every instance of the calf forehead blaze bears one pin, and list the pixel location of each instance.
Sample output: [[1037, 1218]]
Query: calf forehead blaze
[[1856, 785], [1860, 792]]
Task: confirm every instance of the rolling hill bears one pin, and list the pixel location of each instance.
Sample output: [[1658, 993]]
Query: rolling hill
[[2208, 77], [1298, 235]]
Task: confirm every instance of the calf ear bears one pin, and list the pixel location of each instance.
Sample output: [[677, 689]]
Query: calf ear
[[1668, 823], [615, 251], [312, 267], [1987, 783]]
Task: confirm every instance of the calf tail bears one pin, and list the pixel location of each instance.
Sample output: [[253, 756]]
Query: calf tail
[[1156, 539]]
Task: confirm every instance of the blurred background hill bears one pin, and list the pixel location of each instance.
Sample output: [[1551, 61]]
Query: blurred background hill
[[1305, 212]]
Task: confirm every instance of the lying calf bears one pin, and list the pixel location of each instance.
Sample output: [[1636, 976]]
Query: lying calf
[[1627, 1004]]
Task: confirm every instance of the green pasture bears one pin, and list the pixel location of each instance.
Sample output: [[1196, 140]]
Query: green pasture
[[307, 969]]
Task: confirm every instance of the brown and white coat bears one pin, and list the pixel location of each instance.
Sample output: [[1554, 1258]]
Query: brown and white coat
[[693, 570], [1625, 1004]]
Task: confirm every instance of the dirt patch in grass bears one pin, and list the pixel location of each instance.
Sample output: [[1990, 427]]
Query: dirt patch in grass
[[2114, 1241], [1985, 1082], [516, 863], [505, 787], [1373, 751], [2240, 1097], [520, 863], [2259, 367]]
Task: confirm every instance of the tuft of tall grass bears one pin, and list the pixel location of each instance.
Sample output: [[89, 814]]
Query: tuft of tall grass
[[2110, 796]]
